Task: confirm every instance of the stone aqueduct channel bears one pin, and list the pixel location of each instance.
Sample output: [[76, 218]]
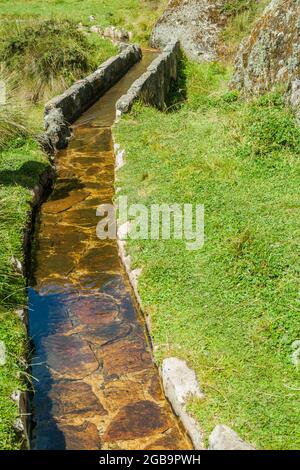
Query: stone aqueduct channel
[[96, 386]]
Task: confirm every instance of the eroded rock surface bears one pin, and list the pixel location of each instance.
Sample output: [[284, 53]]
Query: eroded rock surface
[[195, 23], [271, 54]]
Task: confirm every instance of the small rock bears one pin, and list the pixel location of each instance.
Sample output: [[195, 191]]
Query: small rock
[[133, 277], [109, 32], [58, 131], [92, 18], [19, 426], [180, 379], [224, 438], [16, 396], [96, 29], [149, 324], [122, 46], [2, 353], [122, 35], [295, 93], [21, 313], [136, 273], [16, 265], [36, 195], [120, 159]]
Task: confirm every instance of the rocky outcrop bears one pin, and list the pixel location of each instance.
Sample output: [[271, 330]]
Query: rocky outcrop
[[154, 85], [195, 23], [66, 108], [271, 54]]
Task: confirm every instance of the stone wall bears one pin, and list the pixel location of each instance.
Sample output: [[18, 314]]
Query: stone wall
[[63, 110], [154, 85]]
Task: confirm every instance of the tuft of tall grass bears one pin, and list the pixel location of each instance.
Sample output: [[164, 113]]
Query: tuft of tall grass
[[47, 56], [13, 125]]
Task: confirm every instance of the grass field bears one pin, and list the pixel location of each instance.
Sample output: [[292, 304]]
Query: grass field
[[21, 163], [20, 167], [230, 308], [137, 16]]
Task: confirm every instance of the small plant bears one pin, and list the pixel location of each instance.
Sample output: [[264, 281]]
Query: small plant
[[231, 96]]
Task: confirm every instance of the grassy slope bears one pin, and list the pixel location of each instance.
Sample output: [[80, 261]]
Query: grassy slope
[[137, 16], [230, 308], [19, 171]]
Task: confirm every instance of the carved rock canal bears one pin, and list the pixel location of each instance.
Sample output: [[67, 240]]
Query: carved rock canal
[[96, 386]]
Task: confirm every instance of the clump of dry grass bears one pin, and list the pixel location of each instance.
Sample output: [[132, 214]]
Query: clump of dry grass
[[47, 56], [13, 121]]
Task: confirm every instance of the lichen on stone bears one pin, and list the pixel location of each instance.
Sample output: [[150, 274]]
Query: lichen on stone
[[270, 56]]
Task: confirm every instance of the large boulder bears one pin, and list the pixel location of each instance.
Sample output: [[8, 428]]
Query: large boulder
[[271, 54], [195, 23]]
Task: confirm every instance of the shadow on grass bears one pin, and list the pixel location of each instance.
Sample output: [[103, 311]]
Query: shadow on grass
[[27, 175]]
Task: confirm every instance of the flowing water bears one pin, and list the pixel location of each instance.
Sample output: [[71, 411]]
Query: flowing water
[[96, 386]]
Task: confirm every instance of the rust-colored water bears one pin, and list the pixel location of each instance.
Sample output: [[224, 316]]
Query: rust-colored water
[[96, 386]]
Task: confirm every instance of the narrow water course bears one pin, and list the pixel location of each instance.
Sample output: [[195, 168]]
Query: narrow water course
[[96, 386]]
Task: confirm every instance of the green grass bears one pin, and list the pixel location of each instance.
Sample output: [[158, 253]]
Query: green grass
[[20, 167], [229, 309], [21, 163], [137, 16], [14, 336]]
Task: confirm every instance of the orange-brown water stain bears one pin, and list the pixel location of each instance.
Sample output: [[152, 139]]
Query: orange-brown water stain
[[96, 385]]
